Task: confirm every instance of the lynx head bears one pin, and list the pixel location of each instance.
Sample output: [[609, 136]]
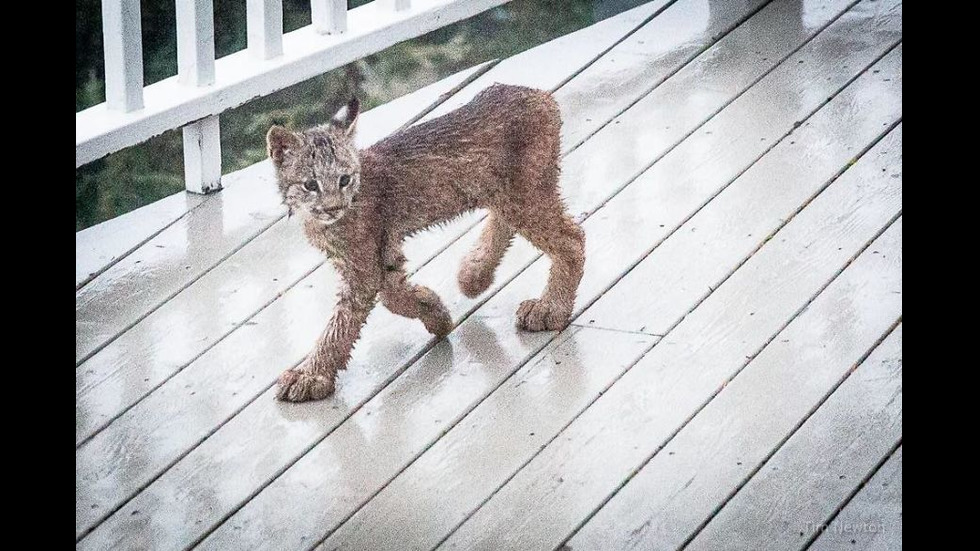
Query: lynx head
[[318, 169]]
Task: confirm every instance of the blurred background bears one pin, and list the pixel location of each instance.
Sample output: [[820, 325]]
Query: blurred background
[[139, 175]]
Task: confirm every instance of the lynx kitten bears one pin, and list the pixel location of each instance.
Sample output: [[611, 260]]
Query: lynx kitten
[[499, 152]]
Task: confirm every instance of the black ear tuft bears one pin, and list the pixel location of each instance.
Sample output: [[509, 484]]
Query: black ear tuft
[[346, 117]]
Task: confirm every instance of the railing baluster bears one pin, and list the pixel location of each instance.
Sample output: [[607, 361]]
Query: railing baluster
[[195, 67], [329, 16], [195, 42], [123, 42], [397, 5], [264, 28]]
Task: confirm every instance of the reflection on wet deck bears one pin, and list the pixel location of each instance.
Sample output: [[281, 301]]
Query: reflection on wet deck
[[732, 378]]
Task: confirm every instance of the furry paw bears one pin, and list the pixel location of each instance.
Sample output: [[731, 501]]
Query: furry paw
[[434, 315], [438, 323], [537, 315], [473, 278], [300, 384]]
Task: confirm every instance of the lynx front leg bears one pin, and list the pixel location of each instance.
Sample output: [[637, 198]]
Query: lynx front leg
[[410, 300], [415, 301], [314, 378]]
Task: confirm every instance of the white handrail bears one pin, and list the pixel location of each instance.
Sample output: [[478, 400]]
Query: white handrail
[[240, 77]]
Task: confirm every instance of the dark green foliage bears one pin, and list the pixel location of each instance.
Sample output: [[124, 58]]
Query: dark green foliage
[[150, 171]]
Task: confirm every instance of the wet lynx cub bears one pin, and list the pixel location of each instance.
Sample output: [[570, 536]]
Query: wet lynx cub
[[499, 152]]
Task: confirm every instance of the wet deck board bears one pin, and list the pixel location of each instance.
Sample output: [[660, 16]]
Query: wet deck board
[[872, 519], [99, 247], [826, 460], [712, 455], [717, 154]]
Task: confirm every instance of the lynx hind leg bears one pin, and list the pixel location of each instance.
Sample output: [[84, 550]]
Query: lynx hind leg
[[476, 271], [536, 211], [558, 236]]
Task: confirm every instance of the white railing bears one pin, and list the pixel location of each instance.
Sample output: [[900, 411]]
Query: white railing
[[204, 88]]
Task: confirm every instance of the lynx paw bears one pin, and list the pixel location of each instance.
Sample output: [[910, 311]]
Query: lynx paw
[[301, 385], [434, 316], [537, 315], [473, 278], [439, 323]]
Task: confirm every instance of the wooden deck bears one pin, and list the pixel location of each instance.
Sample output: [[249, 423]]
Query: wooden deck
[[732, 378]]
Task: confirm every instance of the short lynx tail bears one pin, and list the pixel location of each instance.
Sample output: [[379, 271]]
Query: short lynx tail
[[477, 269]]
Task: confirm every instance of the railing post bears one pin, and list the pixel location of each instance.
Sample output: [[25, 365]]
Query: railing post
[[329, 16], [396, 5], [202, 155], [123, 43], [195, 67], [264, 28]]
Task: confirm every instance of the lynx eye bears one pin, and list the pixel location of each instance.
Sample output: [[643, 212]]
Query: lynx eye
[[310, 185], [344, 181]]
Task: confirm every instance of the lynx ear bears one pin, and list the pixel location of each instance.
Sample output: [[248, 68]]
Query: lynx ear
[[280, 141], [346, 117]]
